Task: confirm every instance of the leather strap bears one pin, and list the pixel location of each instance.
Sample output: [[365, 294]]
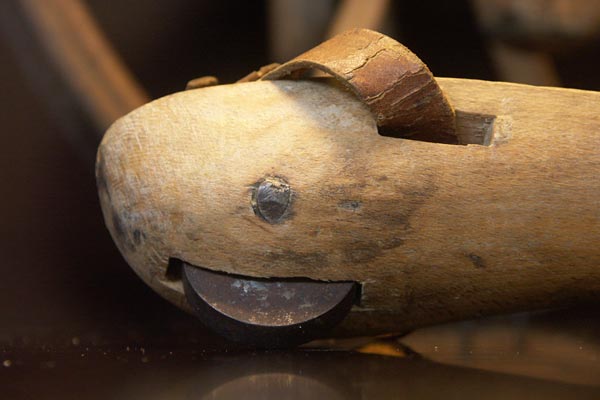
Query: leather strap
[[392, 81]]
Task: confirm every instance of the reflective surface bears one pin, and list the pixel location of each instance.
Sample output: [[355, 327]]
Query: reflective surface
[[157, 374], [552, 355]]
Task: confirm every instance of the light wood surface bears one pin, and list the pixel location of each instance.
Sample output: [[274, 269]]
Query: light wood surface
[[433, 232]]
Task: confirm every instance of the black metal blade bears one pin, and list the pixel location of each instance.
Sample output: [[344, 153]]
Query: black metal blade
[[266, 313]]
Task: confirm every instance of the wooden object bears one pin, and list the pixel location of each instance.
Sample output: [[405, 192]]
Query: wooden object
[[433, 232]]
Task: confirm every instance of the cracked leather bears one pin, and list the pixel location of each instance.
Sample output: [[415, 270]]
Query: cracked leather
[[393, 82]]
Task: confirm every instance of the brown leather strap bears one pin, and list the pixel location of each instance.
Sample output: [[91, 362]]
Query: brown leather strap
[[395, 84]]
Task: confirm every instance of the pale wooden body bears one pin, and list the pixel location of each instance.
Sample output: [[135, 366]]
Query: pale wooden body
[[433, 232]]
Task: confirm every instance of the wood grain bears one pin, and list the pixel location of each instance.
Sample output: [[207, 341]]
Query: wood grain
[[433, 232]]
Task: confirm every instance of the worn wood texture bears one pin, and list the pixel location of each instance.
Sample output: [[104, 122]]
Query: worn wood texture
[[433, 232]]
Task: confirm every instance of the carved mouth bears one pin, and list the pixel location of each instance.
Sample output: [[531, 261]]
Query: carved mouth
[[266, 313]]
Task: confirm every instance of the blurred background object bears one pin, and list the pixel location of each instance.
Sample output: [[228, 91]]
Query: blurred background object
[[72, 66], [88, 64]]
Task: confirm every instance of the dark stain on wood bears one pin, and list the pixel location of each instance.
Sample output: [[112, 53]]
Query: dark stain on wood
[[391, 243], [101, 180], [477, 261], [317, 259], [378, 223], [127, 241], [122, 233], [127, 236], [362, 253], [118, 225], [350, 205], [138, 237]]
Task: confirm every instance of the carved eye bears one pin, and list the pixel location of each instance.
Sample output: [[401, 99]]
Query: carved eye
[[271, 199]]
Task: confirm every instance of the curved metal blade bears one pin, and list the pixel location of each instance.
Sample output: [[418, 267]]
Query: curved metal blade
[[266, 312]]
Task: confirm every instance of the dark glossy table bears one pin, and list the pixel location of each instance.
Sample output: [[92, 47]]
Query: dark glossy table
[[551, 355]]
